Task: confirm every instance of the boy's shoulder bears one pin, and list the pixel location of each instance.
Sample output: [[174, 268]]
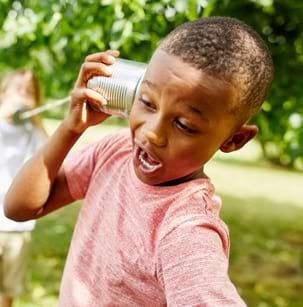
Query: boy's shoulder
[[193, 202], [110, 142], [198, 209], [116, 137], [196, 198]]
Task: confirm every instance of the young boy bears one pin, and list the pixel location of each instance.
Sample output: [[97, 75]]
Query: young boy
[[149, 231]]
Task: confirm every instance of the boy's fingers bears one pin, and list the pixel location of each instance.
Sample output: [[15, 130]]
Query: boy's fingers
[[107, 57], [114, 53], [82, 95], [90, 69]]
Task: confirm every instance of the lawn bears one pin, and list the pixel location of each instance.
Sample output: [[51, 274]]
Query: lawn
[[262, 207]]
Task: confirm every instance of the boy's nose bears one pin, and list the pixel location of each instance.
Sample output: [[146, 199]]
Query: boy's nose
[[155, 138]]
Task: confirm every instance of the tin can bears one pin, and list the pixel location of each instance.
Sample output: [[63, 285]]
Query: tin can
[[121, 89]]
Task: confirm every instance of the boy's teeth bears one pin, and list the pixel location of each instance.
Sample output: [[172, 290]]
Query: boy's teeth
[[143, 159]]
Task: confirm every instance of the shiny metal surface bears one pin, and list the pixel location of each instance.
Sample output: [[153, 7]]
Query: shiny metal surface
[[121, 88]]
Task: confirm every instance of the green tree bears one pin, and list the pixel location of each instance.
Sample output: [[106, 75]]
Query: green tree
[[53, 37], [280, 23]]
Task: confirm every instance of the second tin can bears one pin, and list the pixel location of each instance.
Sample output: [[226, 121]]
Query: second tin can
[[121, 88]]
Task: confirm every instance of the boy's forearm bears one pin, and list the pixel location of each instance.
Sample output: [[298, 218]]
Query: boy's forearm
[[33, 184], [40, 186]]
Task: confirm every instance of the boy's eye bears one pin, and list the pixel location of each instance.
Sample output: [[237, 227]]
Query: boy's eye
[[147, 103], [184, 127]]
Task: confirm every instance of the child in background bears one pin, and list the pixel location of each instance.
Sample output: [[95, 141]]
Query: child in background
[[18, 141], [149, 231]]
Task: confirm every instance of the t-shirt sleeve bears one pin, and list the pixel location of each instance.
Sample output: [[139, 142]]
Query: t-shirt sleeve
[[193, 266], [80, 165], [78, 168]]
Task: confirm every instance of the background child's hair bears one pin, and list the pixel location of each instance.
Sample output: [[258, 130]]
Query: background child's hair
[[31, 84], [230, 50], [26, 82]]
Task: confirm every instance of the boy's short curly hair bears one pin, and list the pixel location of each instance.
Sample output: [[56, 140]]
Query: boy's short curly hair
[[230, 50]]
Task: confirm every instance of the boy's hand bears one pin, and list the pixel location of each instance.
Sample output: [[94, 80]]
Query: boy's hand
[[84, 101]]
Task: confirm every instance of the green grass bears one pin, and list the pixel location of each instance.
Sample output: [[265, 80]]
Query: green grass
[[262, 207]]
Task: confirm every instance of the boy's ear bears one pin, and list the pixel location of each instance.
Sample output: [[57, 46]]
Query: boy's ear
[[239, 138]]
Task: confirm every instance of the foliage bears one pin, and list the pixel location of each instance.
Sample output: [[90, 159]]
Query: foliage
[[280, 23], [53, 37]]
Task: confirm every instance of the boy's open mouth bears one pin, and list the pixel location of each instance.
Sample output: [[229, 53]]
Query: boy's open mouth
[[147, 163]]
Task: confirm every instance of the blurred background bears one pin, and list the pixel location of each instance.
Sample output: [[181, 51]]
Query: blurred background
[[261, 185]]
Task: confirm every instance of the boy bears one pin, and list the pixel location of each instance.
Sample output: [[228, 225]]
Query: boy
[[149, 232]]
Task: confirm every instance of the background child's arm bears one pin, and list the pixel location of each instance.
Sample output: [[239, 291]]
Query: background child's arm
[[40, 186]]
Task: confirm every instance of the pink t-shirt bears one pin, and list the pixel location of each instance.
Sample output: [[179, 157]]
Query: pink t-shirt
[[141, 245]]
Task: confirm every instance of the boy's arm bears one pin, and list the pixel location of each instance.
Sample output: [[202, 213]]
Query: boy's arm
[[40, 186], [193, 267]]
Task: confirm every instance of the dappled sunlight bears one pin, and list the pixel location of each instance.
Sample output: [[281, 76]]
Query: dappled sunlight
[[266, 250], [280, 186]]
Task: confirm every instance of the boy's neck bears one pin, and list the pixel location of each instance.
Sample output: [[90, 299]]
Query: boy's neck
[[196, 175]]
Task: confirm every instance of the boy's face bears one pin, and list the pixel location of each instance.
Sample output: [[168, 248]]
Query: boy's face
[[179, 120]]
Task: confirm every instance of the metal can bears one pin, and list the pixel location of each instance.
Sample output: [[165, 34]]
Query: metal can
[[121, 89]]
